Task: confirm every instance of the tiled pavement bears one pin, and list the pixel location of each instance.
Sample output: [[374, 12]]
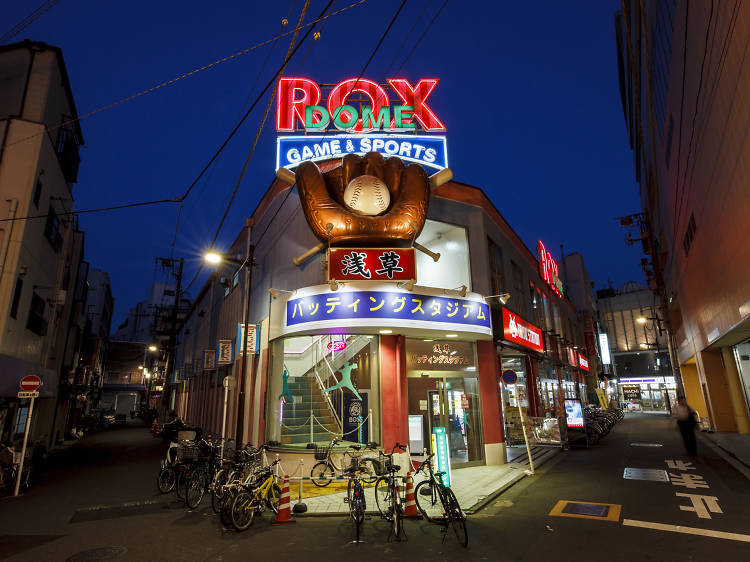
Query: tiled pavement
[[473, 486]]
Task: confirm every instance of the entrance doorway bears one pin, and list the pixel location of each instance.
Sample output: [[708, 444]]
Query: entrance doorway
[[446, 401]]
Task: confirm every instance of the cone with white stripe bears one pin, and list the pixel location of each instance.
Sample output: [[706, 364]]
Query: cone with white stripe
[[285, 507], [410, 506]]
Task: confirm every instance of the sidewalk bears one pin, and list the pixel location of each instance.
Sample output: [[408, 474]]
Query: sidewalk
[[734, 445], [474, 486]]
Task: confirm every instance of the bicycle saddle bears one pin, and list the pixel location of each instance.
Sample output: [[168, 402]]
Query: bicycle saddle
[[355, 447], [395, 467]]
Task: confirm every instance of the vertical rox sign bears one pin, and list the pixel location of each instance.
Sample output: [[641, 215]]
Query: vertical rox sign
[[358, 116], [548, 269]]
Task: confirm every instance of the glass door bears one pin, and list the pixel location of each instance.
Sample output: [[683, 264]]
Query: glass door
[[453, 403]]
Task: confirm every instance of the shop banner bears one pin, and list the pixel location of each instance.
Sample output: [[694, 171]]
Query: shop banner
[[517, 330], [439, 356], [431, 151], [602, 396], [382, 305], [355, 418], [224, 353], [252, 339], [372, 264], [631, 392], [583, 362], [442, 455], [209, 359]]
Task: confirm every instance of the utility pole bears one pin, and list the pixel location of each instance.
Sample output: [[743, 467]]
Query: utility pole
[[239, 432], [169, 363]]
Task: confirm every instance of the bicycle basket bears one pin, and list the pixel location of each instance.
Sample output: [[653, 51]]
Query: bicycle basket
[[321, 453], [188, 453]]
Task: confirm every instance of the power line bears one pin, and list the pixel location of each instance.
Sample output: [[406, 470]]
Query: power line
[[421, 37], [186, 75], [99, 210], [407, 36], [27, 21]]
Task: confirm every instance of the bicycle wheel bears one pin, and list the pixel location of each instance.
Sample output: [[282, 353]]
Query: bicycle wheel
[[273, 499], [226, 506], [322, 473], [370, 471], [426, 498], [196, 488], [242, 511], [457, 518], [166, 480], [217, 489], [397, 521], [383, 497], [181, 485]]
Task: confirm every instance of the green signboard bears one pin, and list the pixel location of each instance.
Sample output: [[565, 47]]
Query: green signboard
[[442, 455]]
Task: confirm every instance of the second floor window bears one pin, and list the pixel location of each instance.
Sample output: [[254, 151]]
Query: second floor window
[[36, 322]]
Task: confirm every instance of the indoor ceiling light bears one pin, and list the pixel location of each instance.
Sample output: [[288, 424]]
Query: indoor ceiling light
[[385, 331], [451, 335]]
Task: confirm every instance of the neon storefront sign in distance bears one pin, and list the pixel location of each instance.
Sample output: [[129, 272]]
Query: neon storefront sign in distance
[[549, 270]]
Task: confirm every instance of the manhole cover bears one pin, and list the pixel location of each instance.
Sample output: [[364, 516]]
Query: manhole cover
[[591, 509], [646, 474], [645, 444], [104, 553]]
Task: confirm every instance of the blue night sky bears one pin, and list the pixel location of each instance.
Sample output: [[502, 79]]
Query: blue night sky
[[528, 93]]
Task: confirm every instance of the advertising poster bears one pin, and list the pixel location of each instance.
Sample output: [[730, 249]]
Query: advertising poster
[[355, 414], [573, 414], [631, 392]]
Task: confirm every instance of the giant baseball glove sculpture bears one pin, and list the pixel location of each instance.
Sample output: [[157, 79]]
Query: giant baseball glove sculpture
[[336, 217]]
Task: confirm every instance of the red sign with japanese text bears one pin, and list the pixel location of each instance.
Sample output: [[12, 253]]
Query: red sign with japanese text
[[517, 330], [583, 362], [572, 357], [372, 264]]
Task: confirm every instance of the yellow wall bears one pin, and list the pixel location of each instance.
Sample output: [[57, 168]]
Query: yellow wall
[[693, 391], [718, 391]]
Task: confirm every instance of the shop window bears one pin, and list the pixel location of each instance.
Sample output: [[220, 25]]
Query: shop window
[[443, 391], [21, 415], [16, 298], [452, 269], [36, 321], [322, 387]]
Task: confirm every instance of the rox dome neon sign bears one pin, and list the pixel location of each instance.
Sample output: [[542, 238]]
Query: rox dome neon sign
[[548, 269], [298, 101], [358, 116]]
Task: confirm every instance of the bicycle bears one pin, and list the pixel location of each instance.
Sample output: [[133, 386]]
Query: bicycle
[[201, 478], [266, 494], [232, 469], [326, 470], [449, 513], [355, 497], [388, 496], [246, 478]]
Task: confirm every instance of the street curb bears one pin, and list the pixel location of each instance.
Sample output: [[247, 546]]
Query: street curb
[[491, 497], [741, 466]]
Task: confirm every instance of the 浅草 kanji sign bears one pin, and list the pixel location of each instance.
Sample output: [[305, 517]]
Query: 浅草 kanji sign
[[372, 264]]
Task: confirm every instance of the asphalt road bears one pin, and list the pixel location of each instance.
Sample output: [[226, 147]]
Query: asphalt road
[[54, 520]]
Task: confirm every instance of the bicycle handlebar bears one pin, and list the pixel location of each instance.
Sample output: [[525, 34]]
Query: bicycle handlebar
[[398, 446]]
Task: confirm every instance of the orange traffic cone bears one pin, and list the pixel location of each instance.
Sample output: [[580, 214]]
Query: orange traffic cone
[[410, 507], [285, 506]]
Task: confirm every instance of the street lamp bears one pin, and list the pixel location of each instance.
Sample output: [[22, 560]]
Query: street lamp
[[502, 297], [215, 258], [152, 348]]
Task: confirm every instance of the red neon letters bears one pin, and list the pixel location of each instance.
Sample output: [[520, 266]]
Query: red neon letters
[[548, 270], [296, 94]]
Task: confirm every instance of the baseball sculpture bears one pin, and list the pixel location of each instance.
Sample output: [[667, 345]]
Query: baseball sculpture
[[367, 195]]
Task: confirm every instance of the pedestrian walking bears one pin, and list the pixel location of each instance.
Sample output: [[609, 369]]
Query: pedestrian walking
[[685, 416]]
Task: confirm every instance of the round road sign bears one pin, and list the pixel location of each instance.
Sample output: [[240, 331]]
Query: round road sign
[[509, 377], [30, 382]]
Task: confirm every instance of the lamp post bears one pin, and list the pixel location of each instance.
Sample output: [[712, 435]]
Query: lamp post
[[216, 258]]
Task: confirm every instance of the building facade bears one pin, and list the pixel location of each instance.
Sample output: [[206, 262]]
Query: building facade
[[383, 361], [43, 275], [682, 76]]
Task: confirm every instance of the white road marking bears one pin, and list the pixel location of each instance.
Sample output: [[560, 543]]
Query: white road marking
[[679, 465], [700, 503], [687, 530]]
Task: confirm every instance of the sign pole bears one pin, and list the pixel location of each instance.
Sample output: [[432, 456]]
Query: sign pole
[[523, 427], [224, 421], [23, 448]]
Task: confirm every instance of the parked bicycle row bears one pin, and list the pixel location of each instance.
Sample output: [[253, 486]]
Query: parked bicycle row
[[600, 422], [242, 483]]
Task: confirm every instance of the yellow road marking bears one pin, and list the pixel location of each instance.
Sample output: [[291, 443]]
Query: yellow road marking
[[612, 515]]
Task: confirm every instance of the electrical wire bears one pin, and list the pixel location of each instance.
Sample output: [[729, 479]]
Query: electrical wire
[[27, 21], [99, 210], [421, 37], [183, 76], [692, 130], [407, 37]]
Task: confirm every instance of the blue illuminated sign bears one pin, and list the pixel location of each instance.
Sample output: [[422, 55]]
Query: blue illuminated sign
[[442, 454], [429, 150], [383, 305]]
